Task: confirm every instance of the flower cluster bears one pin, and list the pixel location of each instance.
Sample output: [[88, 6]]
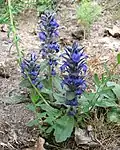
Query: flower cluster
[[48, 36], [31, 68], [74, 67]]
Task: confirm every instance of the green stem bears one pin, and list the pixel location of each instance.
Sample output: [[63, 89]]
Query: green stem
[[15, 39], [50, 80], [37, 90], [49, 76]]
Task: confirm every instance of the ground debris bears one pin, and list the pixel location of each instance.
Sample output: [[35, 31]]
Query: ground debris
[[4, 28], [85, 138], [114, 32], [78, 34], [38, 146]]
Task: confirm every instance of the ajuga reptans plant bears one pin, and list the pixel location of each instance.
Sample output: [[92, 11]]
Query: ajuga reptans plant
[[59, 110], [58, 106]]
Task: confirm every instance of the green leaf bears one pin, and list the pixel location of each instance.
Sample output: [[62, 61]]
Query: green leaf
[[106, 68], [114, 115], [110, 94], [46, 91], [49, 130], [118, 58], [45, 107], [43, 65], [31, 107], [41, 115], [42, 128], [25, 84], [57, 84], [50, 120], [60, 99], [15, 99], [50, 110], [39, 103], [63, 128], [42, 8], [70, 95], [34, 96], [106, 103], [116, 88], [96, 79], [32, 123], [86, 102], [104, 90]]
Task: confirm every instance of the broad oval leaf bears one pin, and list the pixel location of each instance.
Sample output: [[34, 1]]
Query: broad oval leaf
[[63, 128]]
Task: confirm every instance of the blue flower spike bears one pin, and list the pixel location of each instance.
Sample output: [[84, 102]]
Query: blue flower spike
[[74, 68], [48, 37], [32, 69]]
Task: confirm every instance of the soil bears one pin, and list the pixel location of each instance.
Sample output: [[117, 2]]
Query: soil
[[14, 134]]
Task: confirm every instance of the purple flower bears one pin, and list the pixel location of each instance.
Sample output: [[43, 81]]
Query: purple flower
[[74, 68], [53, 23], [54, 46], [72, 102], [33, 57], [40, 86], [55, 33], [76, 57], [63, 67], [42, 36], [31, 68], [50, 62], [53, 72], [48, 36], [72, 112]]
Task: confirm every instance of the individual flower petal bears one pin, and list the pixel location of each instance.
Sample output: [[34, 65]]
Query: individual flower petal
[[63, 67], [54, 23], [72, 102], [79, 92], [44, 54], [53, 72], [33, 57], [42, 36], [78, 82], [84, 67], [50, 62], [76, 57], [72, 112], [40, 86], [55, 62], [55, 33]]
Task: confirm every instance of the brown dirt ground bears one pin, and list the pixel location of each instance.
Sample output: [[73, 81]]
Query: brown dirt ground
[[13, 117]]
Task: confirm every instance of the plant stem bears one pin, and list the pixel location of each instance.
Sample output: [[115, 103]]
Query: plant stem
[[50, 82], [37, 90], [15, 39]]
